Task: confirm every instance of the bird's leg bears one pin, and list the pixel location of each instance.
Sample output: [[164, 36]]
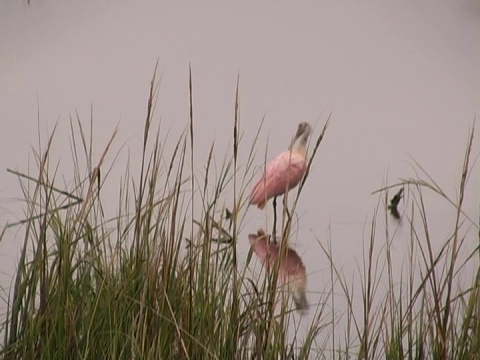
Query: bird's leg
[[285, 207], [286, 218], [274, 231]]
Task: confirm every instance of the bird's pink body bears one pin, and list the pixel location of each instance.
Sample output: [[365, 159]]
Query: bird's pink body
[[282, 174]]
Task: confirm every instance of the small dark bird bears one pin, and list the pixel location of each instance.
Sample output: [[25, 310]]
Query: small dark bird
[[394, 203]]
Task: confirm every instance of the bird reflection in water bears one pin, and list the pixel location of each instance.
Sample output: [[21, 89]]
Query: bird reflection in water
[[291, 271]]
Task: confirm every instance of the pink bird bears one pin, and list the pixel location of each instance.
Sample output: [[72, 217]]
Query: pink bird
[[291, 271], [285, 171]]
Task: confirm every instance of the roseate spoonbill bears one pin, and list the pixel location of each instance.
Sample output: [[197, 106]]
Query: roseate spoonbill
[[291, 271], [285, 171]]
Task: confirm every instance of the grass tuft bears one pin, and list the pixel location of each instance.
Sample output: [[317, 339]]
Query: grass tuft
[[162, 278]]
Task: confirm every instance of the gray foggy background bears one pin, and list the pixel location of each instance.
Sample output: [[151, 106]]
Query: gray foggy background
[[400, 78]]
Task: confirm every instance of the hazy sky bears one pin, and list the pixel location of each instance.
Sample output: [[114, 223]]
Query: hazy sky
[[400, 78]]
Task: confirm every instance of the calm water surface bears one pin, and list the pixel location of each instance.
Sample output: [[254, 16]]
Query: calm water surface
[[400, 79]]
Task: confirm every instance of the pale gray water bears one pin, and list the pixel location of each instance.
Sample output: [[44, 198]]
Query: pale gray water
[[399, 78]]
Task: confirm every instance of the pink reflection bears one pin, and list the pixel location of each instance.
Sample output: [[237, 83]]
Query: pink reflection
[[291, 271]]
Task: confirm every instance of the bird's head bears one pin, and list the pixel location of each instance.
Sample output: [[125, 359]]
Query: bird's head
[[304, 129], [303, 132]]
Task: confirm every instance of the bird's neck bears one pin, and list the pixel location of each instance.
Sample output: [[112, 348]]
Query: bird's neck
[[300, 146]]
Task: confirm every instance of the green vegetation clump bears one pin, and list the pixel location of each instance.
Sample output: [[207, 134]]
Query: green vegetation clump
[[162, 280]]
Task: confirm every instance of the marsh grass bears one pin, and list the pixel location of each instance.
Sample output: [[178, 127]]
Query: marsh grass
[[162, 278], [422, 305], [156, 281]]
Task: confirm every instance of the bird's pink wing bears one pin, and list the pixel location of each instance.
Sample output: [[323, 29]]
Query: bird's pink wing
[[284, 172]]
